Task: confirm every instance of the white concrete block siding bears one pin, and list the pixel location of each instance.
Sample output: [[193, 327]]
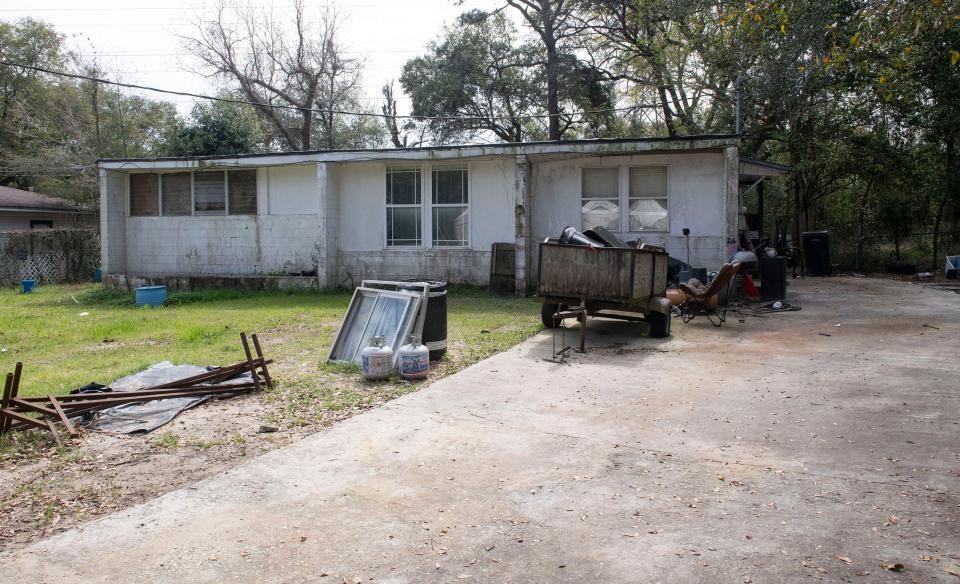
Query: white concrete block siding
[[331, 205]]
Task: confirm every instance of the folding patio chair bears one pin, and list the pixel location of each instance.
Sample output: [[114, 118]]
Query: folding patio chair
[[710, 301]]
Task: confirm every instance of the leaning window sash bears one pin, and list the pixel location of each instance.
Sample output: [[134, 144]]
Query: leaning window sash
[[373, 312]]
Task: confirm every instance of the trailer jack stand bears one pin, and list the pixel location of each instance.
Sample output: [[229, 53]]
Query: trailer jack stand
[[580, 314]]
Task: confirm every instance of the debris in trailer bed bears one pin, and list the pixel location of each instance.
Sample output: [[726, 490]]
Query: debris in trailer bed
[[138, 403]]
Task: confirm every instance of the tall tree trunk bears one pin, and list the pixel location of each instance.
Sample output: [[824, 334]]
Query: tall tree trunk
[[860, 217], [553, 98]]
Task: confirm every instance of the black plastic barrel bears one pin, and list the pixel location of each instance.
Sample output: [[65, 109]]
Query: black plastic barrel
[[435, 323], [816, 253], [773, 278]]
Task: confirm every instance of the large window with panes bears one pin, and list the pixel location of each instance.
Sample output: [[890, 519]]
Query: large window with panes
[[208, 192], [404, 208], [451, 213], [443, 220], [625, 199]]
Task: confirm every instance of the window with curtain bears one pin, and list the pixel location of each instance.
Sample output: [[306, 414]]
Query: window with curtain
[[176, 188], [209, 193], [144, 195], [648, 199], [243, 192], [404, 207], [450, 209], [600, 198]]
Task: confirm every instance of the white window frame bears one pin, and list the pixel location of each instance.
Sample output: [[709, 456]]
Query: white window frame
[[618, 198], [469, 190], [423, 232], [426, 205], [624, 198], [625, 213]]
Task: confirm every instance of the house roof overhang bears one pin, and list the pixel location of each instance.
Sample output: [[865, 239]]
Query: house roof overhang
[[530, 150], [753, 170]]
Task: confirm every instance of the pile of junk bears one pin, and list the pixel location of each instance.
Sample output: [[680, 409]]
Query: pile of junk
[[595, 273], [393, 327]]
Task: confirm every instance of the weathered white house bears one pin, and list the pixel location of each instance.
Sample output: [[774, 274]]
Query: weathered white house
[[415, 212]]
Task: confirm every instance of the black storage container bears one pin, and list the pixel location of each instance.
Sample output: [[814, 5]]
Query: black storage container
[[773, 278], [816, 253], [435, 323]]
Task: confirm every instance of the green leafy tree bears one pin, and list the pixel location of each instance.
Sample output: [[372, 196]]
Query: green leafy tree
[[215, 128]]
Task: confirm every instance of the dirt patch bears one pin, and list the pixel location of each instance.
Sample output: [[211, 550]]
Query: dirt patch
[[45, 489]]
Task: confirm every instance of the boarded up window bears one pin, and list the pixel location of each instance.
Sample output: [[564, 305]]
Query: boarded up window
[[600, 198], [144, 195], [243, 192], [176, 193], [209, 193]]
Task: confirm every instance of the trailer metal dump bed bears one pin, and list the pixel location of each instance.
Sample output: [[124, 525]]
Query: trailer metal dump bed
[[626, 277], [615, 282]]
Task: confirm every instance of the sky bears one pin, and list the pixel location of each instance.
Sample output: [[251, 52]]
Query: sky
[[138, 41]]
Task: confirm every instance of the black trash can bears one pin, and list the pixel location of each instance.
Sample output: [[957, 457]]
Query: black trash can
[[435, 323], [773, 278], [816, 253]]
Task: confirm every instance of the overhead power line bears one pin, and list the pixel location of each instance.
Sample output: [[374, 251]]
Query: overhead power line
[[298, 108]]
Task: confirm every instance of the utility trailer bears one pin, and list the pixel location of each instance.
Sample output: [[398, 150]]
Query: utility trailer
[[612, 282]]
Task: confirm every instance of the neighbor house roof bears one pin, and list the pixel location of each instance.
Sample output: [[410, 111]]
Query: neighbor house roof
[[20, 201], [531, 149]]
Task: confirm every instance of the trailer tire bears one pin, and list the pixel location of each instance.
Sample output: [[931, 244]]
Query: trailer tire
[[659, 325], [547, 310]]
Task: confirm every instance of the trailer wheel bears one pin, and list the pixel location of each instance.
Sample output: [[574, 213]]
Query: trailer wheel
[[547, 310], [659, 325]]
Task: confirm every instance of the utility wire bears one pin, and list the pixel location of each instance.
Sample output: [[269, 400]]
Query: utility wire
[[304, 109]]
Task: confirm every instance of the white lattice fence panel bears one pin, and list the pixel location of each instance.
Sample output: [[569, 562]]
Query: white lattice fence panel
[[47, 268]]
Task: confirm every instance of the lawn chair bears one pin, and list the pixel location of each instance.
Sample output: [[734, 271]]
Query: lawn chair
[[710, 301]]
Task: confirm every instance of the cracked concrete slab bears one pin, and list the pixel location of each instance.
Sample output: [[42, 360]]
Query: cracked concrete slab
[[777, 449]]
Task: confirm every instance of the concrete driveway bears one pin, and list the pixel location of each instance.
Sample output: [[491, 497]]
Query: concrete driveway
[[779, 449]]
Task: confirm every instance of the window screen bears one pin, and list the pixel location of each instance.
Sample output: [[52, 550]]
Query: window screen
[[404, 210], [648, 199], [451, 220], [144, 195], [243, 192], [176, 193], [209, 195], [600, 190]]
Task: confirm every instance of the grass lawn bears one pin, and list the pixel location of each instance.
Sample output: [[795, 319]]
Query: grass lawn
[[62, 350]]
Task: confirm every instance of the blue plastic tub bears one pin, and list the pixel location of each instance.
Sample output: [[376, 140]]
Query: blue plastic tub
[[97, 275], [28, 285], [151, 295]]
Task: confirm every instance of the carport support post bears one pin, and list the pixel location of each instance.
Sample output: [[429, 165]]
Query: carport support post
[[522, 208], [731, 200]]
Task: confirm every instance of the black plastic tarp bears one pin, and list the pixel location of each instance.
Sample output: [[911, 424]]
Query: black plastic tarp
[[148, 416]]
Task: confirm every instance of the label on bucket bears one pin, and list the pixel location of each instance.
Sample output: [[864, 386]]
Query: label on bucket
[[414, 364]]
